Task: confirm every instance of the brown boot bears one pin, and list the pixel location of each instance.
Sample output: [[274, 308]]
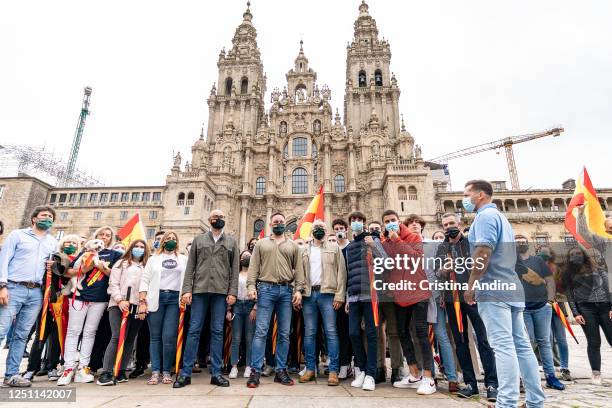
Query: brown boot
[[453, 387], [332, 380], [308, 376]]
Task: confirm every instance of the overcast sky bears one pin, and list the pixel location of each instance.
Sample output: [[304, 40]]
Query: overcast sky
[[470, 72]]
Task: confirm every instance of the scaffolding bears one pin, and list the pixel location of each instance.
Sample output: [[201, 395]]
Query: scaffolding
[[37, 161]]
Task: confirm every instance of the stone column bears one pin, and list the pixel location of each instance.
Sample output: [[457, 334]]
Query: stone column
[[269, 201], [244, 205], [362, 115], [211, 120]]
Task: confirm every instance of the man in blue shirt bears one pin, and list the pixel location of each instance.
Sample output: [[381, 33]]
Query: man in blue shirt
[[23, 261], [500, 297]]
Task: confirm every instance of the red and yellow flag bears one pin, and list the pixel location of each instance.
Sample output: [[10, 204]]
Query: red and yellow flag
[[595, 217], [132, 231], [314, 212]]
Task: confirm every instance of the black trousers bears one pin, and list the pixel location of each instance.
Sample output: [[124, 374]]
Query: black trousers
[[462, 344], [294, 356], [51, 338], [418, 313], [595, 315], [143, 341], [342, 326]]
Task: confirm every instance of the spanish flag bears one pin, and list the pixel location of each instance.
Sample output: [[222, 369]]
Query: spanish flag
[[132, 231], [595, 217], [314, 212]]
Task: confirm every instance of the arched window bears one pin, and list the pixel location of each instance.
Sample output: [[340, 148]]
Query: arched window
[[260, 186], [181, 199], [244, 85], [362, 79], [401, 194], [378, 80], [258, 227], [299, 181], [292, 226], [299, 146], [339, 183], [228, 86], [412, 193], [190, 198]]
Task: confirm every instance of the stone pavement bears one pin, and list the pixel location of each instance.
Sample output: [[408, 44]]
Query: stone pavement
[[136, 393]]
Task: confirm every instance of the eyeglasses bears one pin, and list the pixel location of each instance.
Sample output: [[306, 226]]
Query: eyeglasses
[[217, 217]]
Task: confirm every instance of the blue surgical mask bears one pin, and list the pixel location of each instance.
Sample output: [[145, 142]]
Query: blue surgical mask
[[392, 226], [356, 226], [468, 204], [138, 252]]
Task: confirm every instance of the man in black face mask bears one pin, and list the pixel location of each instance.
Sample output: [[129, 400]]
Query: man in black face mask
[[453, 253], [211, 281]]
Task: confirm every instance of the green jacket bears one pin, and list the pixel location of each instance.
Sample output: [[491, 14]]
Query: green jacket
[[333, 271], [212, 267]]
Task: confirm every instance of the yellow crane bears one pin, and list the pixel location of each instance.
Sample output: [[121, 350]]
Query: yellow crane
[[507, 144]]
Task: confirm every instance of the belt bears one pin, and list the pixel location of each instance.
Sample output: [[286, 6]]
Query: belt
[[29, 285], [276, 283], [315, 288]]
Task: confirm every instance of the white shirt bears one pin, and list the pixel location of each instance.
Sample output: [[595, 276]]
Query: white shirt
[[242, 287], [170, 278], [216, 237], [315, 265]]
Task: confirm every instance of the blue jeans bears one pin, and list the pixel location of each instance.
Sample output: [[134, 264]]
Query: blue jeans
[[312, 304], [557, 334], [163, 326], [242, 325], [513, 354], [365, 360], [199, 308], [538, 326], [24, 306], [444, 344], [272, 298]]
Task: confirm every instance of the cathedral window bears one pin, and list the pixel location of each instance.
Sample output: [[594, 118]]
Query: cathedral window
[[299, 181], [244, 86], [378, 81], [339, 183], [190, 198], [401, 194], [228, 86], [362, 79], [292, 226], [181, 199], [299, 146], [412, 193], [258, 227], [260, 186]]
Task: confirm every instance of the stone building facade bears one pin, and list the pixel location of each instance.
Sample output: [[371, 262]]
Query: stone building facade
[[252, 161]]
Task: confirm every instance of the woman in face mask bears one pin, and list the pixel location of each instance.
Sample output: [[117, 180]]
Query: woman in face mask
[[242, 314], [125, 277], [588, 293], [251, 244], [159, 297]]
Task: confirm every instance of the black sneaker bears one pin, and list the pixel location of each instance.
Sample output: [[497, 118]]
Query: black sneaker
[[106, 378], [219, 381], [468, 391], [137, 372], [253, 381], [121, 378], [381, 375], [491, 393], [282, 377], [181, 381]]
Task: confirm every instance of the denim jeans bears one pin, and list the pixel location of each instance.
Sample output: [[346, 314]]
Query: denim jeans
[[242, 326], [365, 360], [24, 306], [163, 329], [557, 335], [272, 298], [444, 344], [199, 308], [323, 302], [513, 354], [537, 322]]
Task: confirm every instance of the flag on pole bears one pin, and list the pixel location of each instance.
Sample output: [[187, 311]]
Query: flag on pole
[[59, 315], [262, 233], [45, 309], [595, 217], [179, 338], [227, 343], [131, 231], [373, 292], [561, 316], [274, 334], [457, 304], [314, 212], [122, 333]]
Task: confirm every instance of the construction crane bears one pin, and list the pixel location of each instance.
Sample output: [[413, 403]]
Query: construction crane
[[78, 135], [507, 144]]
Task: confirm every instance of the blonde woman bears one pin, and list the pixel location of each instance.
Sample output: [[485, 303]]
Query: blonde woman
[[87, 308], [159, 297]]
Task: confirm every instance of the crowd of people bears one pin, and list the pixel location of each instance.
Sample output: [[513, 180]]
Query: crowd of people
[[294, 308]]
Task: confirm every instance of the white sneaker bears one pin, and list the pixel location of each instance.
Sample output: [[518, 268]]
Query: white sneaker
[[596, 378], [368, 383], [408, 382], [356, 372], [343, 373], [301, 373], [247, 372], [358, 381], [28, 375], [233, 372], [84, 375], [427, 387], [66, 377]]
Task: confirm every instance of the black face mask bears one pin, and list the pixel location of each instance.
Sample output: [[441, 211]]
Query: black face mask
[[278, 229], [245, 262], [375, 234], [452, 232], [318, 233], [522, 248], [218, 224]]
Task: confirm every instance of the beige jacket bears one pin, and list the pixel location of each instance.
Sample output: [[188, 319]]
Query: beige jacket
[[333, 271], [275, 263], [121, 277]]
